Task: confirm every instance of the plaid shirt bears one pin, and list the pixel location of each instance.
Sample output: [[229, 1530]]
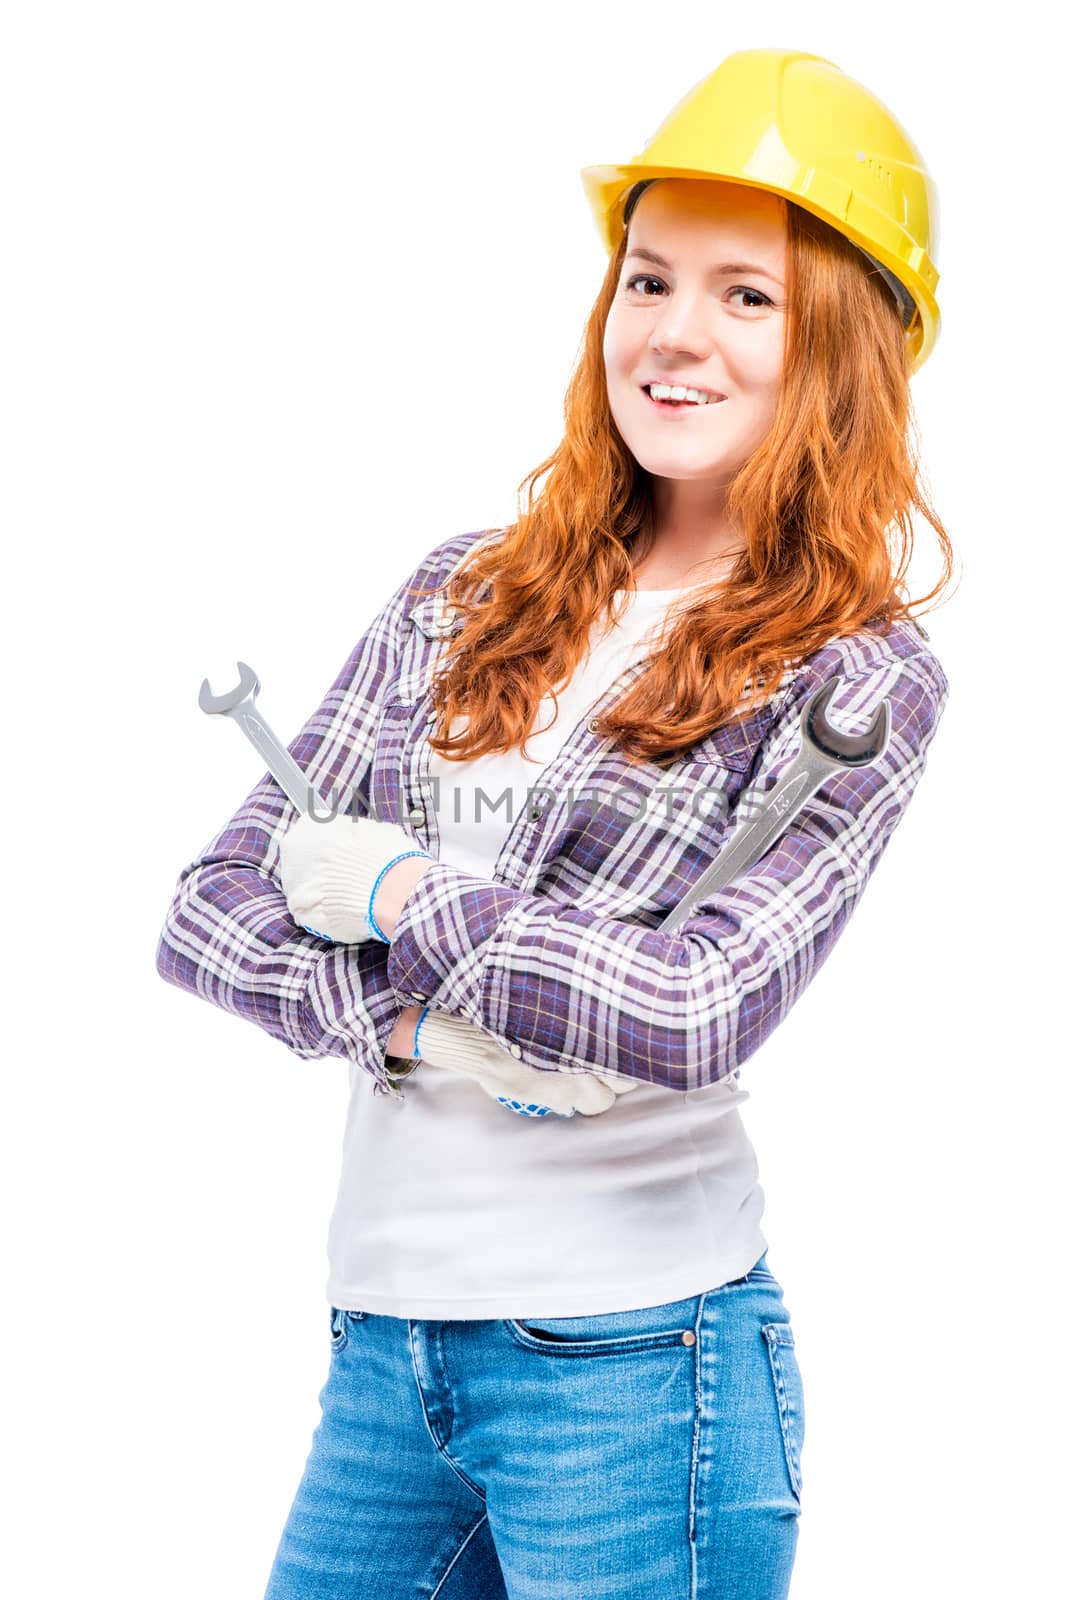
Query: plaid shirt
[[558, 956]]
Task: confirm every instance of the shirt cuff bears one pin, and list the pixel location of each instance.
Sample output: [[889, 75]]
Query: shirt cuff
[[434, 954]]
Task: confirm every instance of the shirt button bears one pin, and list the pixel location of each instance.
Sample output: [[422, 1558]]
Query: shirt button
[[417, 815], [418, 996], [514, 1048]]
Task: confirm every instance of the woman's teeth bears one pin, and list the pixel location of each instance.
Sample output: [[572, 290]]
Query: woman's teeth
[[678, 394]]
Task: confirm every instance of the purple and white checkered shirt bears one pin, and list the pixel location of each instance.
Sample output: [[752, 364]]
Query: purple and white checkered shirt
[[558, 957]]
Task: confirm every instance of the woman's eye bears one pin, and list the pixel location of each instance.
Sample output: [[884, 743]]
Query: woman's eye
[[756, 297], [755, 294], [642, 277]]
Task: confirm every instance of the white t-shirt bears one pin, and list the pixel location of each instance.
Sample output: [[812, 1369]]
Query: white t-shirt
[[451, 1206]]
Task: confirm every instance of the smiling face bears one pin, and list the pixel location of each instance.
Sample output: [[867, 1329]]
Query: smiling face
[[708, 312]]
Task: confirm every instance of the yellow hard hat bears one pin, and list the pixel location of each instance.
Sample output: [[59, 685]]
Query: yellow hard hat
[[794, 123]]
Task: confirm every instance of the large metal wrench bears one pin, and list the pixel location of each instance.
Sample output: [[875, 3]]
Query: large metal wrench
[[240, 704], [824, 749]]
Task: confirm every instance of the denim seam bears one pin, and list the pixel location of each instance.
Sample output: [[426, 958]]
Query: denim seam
[[435, 1441], [782, 1400], [451, 1566], [695, 1450]]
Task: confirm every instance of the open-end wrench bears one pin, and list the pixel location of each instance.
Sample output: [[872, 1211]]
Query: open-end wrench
[[240, 704], [824, 749]]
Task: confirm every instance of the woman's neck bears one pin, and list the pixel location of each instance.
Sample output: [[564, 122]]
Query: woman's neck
[[674, 561]]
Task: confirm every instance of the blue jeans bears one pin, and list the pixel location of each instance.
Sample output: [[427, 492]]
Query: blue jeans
[[615, 1457]]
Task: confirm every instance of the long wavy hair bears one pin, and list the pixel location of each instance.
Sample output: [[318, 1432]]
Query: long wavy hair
[[824, 504]]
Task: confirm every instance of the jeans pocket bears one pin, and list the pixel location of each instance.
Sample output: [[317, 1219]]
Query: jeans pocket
[[339, 1329], [789, 1394], [610, 1332]]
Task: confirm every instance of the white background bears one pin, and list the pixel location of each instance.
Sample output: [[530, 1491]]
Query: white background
[[291, 294]]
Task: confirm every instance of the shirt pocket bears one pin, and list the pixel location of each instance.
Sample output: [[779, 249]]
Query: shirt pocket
[[686, 819], [714, 775], [639, 835], [426, 633]]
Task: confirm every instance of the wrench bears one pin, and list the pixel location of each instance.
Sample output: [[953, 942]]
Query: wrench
[[824, 749], [240, 704]]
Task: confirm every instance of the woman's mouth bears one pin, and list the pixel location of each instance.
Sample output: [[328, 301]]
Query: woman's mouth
[[680, 407]]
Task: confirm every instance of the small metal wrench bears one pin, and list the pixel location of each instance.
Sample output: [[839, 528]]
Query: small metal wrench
[[824, 749], [240, 704]]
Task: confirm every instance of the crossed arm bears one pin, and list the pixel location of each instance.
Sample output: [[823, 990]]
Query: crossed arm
[[572, 989], [577, 991]]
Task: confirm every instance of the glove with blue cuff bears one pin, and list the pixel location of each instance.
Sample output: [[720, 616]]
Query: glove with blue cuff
[[329, 870], [442, 1040]]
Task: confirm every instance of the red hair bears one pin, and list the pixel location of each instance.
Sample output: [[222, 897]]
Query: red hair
[[824, 504]]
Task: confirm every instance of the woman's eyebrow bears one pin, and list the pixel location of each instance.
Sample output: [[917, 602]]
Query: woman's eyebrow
[[724, 268]]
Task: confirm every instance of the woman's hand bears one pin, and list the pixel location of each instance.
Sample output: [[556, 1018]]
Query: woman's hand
[[394, 889], [329, 870], [402, 1039], [456, 1045]]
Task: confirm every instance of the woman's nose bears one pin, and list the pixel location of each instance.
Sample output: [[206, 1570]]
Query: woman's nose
[[684, 327]]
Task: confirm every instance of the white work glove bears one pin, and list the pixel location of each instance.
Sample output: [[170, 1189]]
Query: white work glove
[[330, 869], [456, 1045]]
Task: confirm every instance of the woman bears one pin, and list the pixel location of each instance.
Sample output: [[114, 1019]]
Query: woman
[[559, 1360]]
